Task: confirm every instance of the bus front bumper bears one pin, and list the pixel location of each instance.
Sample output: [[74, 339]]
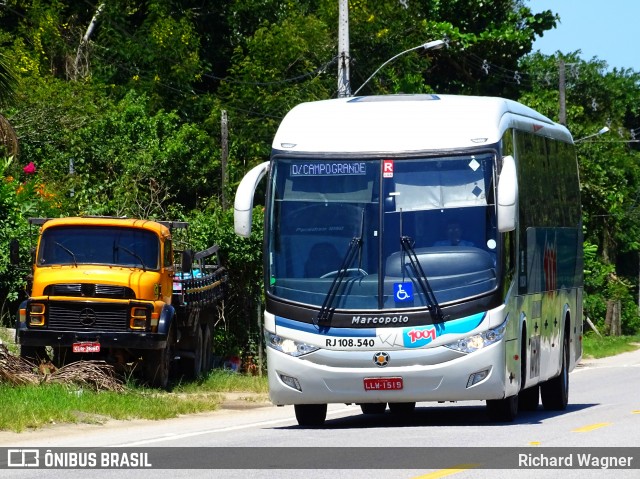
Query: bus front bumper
[[301, 380]]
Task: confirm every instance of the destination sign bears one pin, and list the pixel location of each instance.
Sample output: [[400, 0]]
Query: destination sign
[[328, 169]]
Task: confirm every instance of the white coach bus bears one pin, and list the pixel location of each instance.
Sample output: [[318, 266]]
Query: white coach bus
[[419, 248]]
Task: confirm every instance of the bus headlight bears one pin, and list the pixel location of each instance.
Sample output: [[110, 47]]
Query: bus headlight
[[479, 341], [288, 346]]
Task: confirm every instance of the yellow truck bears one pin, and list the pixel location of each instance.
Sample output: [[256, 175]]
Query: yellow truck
[[122, 290]]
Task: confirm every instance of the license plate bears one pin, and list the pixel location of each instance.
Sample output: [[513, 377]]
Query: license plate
[[383, 384], [86, 347]]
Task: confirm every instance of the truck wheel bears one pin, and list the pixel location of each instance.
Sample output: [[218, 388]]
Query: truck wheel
[[310, 415], [157, 363], [195, 369], [62, 355], [207, 353], [34, 354]]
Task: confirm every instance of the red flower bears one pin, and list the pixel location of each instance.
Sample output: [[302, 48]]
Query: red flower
[[30, 168]]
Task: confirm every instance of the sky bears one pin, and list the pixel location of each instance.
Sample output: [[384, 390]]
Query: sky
[[608, 30]]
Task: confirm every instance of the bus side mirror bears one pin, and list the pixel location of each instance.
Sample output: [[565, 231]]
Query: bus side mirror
[[507, 195], [243, 204], [14, 252]]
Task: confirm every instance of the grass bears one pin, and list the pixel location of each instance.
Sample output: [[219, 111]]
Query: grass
[[226, 381], [7, 338], [599, 347], [33, 407]]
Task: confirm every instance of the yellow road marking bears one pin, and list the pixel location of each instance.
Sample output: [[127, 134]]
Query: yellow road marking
[[637, 411], [447, 472], [591, 427], [534, 443]]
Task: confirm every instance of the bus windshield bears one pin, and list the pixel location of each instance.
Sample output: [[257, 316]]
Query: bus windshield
[[130, 247], [399, 233]]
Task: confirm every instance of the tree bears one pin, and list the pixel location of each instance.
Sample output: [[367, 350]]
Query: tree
[[609, 169]]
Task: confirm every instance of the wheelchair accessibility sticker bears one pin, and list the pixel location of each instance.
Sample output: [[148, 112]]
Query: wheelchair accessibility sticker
[[403, 292]]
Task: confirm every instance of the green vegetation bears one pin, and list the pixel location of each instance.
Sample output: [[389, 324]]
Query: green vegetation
[[128, 121], [6, 338], [602, 346], [34, 407], [226, 381]]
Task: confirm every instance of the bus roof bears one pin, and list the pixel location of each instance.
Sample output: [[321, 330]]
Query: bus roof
[[405, 123]]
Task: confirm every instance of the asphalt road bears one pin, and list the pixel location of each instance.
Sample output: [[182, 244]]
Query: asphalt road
[[602, 419]]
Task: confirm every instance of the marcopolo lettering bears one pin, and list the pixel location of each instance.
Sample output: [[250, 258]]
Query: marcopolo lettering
[[379, 319], [328, 169]]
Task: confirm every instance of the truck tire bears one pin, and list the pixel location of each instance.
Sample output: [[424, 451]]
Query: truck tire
[[157, 363], [197, 354], [34, 354], [207, 354]]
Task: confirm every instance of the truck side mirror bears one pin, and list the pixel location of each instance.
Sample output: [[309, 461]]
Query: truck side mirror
[[14, 252], [187, 260], [507, 195]]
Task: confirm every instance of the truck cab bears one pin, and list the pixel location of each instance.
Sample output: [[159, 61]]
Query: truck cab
[[115, 289]]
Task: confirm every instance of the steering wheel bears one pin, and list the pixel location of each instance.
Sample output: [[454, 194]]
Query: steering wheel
[[349, 272]]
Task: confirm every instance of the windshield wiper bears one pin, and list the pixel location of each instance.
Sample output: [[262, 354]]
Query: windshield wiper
[[324, 315], [132, 253], [71, 253], [421, 278]]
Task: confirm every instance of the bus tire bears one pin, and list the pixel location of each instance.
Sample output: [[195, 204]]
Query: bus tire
[[373, 408], [503, 410], [529, 399], [555, 391], [402, 408], [311, 415]]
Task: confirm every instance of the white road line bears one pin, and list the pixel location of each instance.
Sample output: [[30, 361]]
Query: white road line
[[168, 437]]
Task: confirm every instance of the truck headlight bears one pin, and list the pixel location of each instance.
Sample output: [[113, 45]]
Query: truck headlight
[[480, 340], [138, 318], [288, 346], [37, 314]]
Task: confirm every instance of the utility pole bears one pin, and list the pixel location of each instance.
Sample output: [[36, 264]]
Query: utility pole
[[224, 154], [344, 84], [562, 116]]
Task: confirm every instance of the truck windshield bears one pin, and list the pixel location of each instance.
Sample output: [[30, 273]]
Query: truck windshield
[[74, 245], [441, 209]]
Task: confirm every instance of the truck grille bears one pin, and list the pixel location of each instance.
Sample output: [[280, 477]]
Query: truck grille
[[90, 290], [67, 316]]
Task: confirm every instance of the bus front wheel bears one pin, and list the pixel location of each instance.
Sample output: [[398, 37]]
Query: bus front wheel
[[503, 410], [310, 415]]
